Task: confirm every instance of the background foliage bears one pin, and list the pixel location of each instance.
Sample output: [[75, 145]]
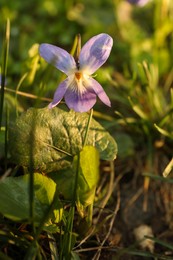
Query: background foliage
[[138, 78]]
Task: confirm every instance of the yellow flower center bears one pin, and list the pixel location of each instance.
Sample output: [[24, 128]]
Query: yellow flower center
[[78, 75]]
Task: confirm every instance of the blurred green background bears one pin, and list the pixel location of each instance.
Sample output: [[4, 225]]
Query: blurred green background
[[138, 33], [138, 75], [138, 78]]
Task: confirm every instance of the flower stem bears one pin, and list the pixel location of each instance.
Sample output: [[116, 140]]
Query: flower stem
[[76, 180], [69, 231], [87, 127]]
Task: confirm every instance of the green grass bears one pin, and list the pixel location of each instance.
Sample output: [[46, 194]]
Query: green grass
[[138, 78]]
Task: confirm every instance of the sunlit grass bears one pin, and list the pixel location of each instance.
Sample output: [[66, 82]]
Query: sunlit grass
[[138, 79], [4, 67]]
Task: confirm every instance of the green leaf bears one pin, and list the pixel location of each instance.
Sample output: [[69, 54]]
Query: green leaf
[[14, 199], [164, 132], [65, 180], [138, 110], [46, 139], [74, 256], [4, 257], [125, 145], [88, 175]]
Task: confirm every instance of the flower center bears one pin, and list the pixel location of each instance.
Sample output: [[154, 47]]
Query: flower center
[[78, 75]]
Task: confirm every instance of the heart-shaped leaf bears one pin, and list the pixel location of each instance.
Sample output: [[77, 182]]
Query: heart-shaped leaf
[[14, 199], [48, 139]]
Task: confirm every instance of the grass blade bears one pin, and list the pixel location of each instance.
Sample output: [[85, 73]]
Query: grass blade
[[4, 67]]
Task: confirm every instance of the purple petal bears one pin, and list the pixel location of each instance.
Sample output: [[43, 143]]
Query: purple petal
[[58, 57], [99, 91], [59, 93], [80, 102], [138, 2], [95, 52]]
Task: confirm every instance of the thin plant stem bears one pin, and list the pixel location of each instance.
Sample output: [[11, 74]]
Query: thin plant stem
[[69, 226], [6, 136], [66, 243], [31, 194], [31, 173], [4, 67], [17, 88], [72, 209], [58, 149], [87, 127], [117, 206], [53, 246], [27, 95], [76, 181]]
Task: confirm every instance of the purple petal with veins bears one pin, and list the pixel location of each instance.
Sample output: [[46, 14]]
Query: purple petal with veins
[[59, 93], [80, 103], [58, 57], [99, 91], [95, 52]]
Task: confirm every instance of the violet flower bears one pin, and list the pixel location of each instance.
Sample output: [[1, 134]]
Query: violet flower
[[79, 89], [138, 2]]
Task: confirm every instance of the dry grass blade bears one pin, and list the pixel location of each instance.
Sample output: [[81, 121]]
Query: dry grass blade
[[117, 206]]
